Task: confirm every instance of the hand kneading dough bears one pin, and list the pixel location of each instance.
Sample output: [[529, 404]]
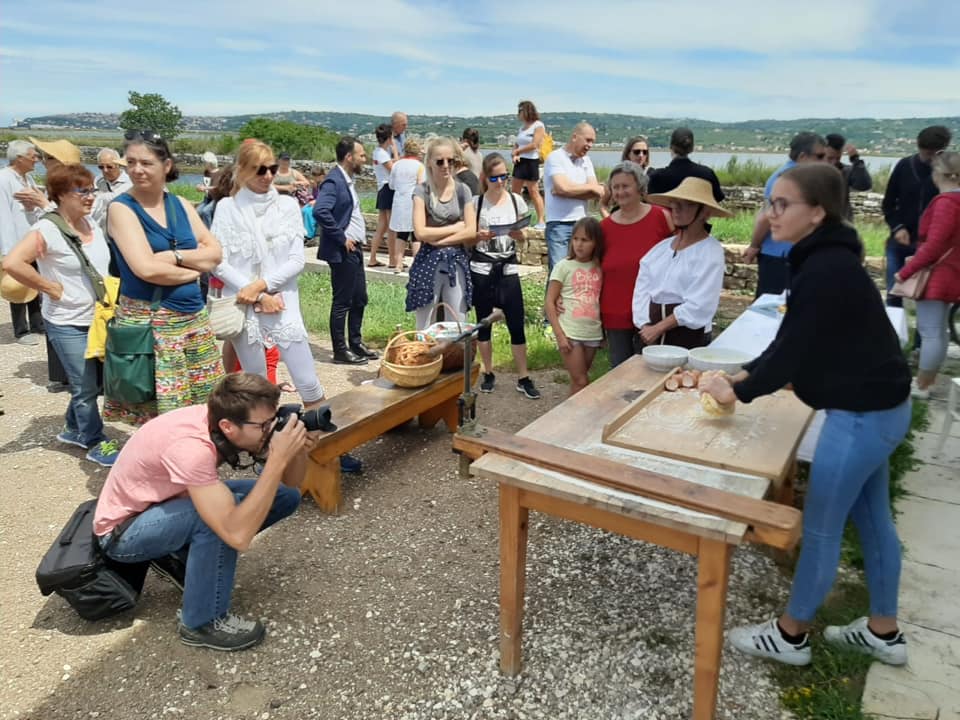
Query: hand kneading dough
[[714, 409]]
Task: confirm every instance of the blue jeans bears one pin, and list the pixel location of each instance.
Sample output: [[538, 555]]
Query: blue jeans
[[932, 329], [83, 415], [850, 478], [897, 255], [558, 236], [174, 526]]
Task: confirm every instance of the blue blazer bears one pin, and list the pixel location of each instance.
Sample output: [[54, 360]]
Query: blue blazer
[[332, 211]]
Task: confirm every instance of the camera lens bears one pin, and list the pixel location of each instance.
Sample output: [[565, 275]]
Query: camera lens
[[318, 419]]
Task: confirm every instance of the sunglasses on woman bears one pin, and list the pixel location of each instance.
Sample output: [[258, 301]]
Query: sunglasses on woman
[[443, 162], [148, 136], [272, 169], [498, 178], [639, 152], [85, 192]]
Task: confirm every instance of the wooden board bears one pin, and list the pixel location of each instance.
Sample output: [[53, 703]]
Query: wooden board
[[760, 438]]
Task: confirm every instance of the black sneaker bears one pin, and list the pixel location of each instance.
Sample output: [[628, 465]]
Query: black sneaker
[[487, 382], [525, 385], [170, 568], [228, 633]]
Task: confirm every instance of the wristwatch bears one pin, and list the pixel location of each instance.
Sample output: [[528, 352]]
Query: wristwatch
[[179, 257]]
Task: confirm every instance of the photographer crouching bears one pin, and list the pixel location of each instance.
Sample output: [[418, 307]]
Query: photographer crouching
[[164, 502]]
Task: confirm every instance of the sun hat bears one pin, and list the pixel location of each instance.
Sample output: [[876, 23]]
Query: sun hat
[[63, 150], [692, 189], [13, 291]]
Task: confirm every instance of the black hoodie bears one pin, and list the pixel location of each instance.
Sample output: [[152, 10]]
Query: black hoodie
[[836, 344]]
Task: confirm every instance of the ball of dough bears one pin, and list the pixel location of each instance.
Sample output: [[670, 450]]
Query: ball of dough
[[714, 409]]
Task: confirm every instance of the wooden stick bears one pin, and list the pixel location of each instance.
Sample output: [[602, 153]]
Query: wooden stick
[[774, 524]]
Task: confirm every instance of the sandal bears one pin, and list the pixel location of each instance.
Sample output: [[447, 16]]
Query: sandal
[[375, 264], [286, 387]]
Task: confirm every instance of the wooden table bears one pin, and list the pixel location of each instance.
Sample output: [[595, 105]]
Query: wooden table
[[368, 411], [576, 424]]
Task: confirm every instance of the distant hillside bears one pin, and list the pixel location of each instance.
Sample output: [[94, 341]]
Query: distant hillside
[[873, 135]]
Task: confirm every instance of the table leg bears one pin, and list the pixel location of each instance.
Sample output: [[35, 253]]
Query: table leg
[[322, 481], [785, 494], [712, 576], [513, 564], [446, 411]]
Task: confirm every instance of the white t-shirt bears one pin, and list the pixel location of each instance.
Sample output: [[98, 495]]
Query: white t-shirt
[[60, 264], [500, 247], [380, 158], [577, 172], [525, 137], [15, 220]]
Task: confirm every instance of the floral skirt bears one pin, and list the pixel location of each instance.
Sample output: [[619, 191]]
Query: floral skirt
[[186, 356]]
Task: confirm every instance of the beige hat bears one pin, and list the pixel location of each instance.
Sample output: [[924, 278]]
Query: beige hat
[[13, 291], [63, 150], [692, 189]]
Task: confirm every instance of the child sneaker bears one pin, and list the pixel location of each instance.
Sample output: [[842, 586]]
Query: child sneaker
[[525, 385], [104, 453], [766, 641], [917, 392], [71, 437], [228, 633], [487, 382], [858, 636]]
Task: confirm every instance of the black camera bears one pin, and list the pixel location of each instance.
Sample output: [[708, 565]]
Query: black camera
[[314, 420]]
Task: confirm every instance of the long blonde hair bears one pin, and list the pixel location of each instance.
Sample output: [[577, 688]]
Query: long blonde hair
[[432, 148], [252, 154]]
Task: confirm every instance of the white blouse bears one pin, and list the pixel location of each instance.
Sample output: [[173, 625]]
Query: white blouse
[[692, 277], [262, 237]]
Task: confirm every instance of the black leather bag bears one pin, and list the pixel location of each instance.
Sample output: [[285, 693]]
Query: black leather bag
[[76, 569]]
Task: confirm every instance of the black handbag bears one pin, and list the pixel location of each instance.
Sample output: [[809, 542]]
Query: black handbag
[[75, 568]]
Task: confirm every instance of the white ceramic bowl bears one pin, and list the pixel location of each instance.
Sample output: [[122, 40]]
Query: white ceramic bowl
[[664, 357], [730, 361]]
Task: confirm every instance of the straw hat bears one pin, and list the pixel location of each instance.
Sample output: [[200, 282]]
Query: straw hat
[[692, 189], [13, 291], [63, 150]]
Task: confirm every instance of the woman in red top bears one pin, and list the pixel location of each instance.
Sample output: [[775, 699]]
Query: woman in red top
[[628, 233], [939, 245]]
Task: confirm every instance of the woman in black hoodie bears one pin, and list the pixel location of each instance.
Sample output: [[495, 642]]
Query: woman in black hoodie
[[840, 353]]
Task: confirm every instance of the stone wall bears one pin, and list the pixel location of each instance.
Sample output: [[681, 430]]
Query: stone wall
[[866, 205]]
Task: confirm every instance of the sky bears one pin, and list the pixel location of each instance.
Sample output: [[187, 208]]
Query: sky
[[723, 60]]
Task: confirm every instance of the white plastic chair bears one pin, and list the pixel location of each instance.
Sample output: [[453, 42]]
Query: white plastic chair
[[953, 413]]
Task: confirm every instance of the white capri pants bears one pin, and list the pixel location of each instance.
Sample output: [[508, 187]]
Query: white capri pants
[[296, 356]]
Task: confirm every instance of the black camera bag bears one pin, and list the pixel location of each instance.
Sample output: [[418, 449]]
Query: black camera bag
[[75, 568]]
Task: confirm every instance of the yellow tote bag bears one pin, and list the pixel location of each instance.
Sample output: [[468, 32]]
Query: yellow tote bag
[[97, 336]]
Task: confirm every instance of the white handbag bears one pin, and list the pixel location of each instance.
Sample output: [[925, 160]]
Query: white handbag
[[226, 317]]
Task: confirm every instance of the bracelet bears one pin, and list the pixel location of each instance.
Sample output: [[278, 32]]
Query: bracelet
[[259, 298]]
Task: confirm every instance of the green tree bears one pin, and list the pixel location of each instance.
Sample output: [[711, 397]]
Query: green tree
[[305, 142], [152, 111]]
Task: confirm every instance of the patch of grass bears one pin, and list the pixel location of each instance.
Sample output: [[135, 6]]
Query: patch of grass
[[738, 230], [368, 204], [186, 190], [750, 173]]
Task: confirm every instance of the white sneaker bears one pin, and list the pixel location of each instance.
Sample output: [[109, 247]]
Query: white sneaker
[[766, 641], [918, 393], [28, 339], [857, 636]]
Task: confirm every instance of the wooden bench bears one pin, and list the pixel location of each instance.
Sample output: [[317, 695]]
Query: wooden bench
[[368, 411]]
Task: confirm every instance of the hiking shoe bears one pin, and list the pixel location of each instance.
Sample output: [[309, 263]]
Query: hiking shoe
[[350, 464], [170, 568], [525, 385], [487, 382], [858, 636], [766, 641], [104, 453], [71, 437], [228, 633]]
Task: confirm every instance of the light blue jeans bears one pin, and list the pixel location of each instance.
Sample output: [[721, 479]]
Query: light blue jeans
[[175, 526], [83, 415], [932, 328], [558, 236], [850, 477]]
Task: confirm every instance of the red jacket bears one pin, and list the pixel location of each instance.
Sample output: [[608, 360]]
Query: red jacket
[[939, 231]]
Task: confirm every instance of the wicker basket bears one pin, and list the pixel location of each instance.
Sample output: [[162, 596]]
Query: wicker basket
[[447, 330], [409, 376]]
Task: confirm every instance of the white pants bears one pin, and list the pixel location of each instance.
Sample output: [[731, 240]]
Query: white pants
[[298, 359], [455, 297]]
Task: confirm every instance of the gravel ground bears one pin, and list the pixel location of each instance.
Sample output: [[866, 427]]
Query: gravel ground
[[386, 611]]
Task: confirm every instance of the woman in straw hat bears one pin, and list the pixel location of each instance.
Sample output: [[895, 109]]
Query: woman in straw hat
[[678, 287]]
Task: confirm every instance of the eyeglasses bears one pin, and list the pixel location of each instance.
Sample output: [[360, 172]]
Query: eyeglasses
[[264, 426], [498, 178], [272, 169], [444, 162], [107, 167], [777, 206], [148, 136], [638, 151], [85, 192]]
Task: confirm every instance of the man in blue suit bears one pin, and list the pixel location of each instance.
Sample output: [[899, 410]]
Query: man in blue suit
[[338, 216]]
